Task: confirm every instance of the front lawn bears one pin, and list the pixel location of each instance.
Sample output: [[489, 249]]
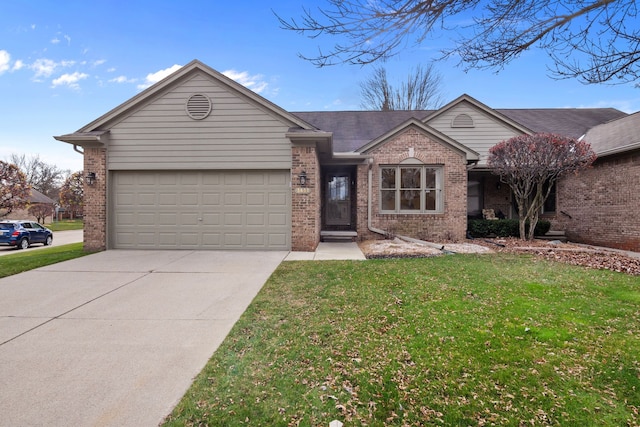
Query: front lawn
[[454, 340], [67, 224], [28, 260]]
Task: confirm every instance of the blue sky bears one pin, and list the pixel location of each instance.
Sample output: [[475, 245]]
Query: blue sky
[[65, 63]]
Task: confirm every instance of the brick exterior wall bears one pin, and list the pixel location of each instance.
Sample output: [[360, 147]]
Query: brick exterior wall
[[305, 200], [603, 203], [95, 200], [498, 199], [449, 225]]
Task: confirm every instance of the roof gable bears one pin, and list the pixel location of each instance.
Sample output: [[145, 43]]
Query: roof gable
[[433, 133], [479, 106], [175, 79]]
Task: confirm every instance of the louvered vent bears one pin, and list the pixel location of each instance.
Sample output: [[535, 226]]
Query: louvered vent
[[198, 106], [462, 121]]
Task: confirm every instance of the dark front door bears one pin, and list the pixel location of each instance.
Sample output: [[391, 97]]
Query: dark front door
[[338, 198]]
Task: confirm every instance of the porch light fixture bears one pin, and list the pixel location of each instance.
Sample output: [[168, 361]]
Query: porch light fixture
[[303, 178], [90, 178]]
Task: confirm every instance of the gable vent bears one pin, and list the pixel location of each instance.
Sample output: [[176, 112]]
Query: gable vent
[[462, 121], [198, 106]]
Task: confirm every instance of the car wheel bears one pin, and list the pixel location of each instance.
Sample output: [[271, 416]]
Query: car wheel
[[48, 241], [24, 244]]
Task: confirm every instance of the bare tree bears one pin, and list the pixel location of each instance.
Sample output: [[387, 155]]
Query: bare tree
[[44, 177], [420, 91], [72, 194], [14, 190], [531, 164], [41, 211], [594, 41]]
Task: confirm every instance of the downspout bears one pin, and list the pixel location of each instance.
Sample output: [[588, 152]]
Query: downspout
[[77, 150], [369, 209], [384, 233]]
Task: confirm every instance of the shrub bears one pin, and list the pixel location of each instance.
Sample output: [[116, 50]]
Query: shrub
[[503, 227]]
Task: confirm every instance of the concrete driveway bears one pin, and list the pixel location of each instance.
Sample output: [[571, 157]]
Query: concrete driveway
[[116, 338]]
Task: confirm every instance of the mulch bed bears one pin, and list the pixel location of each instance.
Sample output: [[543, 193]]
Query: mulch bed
[[582, 255]]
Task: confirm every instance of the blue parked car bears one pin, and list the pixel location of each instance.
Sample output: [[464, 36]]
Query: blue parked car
[[23, 234]]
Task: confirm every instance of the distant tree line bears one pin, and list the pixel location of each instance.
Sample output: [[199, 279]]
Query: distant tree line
[[19, 175]]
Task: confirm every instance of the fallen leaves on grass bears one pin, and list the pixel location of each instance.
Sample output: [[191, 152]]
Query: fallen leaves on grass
[[585, 256]]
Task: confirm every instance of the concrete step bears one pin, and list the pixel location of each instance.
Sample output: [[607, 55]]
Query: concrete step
[[338, 236], [554, 235]]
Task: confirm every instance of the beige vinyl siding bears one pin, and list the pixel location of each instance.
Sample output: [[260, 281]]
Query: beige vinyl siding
[[486, 132], [238, 133]]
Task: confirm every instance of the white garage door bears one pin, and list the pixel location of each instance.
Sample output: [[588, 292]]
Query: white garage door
[[201, 210]]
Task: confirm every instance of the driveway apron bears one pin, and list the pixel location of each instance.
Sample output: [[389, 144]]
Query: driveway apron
[[116, 338]]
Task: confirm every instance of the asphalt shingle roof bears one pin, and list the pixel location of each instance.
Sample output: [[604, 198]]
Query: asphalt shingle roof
[[615, 135], [353, 129], [572, 122]]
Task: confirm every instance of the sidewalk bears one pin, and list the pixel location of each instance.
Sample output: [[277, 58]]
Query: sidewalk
[[329, 251]]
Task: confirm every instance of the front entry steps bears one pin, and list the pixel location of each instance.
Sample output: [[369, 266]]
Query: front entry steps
[[338, 236], [554, 235]]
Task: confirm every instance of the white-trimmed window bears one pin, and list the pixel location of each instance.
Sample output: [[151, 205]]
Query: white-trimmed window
[[411, 189]]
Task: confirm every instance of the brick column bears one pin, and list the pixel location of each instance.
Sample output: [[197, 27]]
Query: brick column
[[305, 200], [95, 200]]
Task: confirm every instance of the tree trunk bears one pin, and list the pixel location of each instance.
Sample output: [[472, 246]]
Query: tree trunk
[[522, 219]]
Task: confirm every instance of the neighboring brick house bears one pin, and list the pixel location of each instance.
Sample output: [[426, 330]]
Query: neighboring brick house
[[36, 198], [601, 205], [198, 161]]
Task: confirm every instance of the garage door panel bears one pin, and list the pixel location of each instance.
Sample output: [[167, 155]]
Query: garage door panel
[[167, 239], [277, 239], [211, 199], [233, 178], [233, 240], [256, 219], [276, 219], [206, 209], [192, 199], [255, 199], [277, 199], [146, 219], [165, 218], [168, 199]]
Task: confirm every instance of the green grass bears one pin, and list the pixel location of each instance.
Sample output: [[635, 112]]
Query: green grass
[[74, 224], [457, 340], [30, 259]]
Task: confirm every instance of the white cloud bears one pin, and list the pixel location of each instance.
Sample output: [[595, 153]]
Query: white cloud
[[46, 67], [17, 65], [122, 79], [5, 63], [99, 62], [55, 41], [5, 59], [43, 67], [70, 80], [153, 78], [68, 39], [254, 82]]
